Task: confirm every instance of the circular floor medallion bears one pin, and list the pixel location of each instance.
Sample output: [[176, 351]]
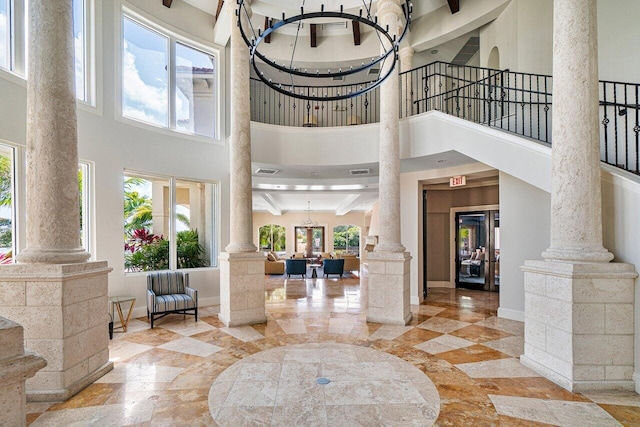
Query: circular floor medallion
[[279, 387]]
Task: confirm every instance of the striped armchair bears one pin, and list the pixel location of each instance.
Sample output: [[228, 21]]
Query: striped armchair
[[169, 292]]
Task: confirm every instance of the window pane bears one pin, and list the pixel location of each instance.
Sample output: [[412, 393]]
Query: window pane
[[145, 81], [83, 185], [346, 239], [6, 205], [79, 47], [194, 102], [273, 238], [146, 223], [194, 213], [5, 35]]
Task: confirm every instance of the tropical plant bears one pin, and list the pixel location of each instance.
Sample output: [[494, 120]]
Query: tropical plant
[[137, 207], [148, 252], [190, 250], [273, 237]]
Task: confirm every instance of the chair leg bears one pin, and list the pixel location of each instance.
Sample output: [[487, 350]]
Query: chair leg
[[196, 314], [151, 320]]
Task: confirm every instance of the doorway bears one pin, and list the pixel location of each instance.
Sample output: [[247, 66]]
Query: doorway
[[477, 243]]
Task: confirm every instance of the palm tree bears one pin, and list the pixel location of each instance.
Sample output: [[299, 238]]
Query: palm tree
[[137, 208]]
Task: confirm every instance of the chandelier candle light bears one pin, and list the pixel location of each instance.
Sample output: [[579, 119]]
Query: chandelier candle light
[[265, 67]]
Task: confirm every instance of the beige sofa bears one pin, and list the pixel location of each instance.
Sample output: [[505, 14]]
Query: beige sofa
[[273, 264], [351, 262]]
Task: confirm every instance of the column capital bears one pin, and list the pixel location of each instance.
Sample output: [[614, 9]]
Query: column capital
[[389, 10]]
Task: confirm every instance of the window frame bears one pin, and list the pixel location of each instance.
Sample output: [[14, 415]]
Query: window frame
[[213, 212], [174, 36]]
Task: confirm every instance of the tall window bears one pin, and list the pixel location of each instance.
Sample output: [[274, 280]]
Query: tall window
[[7, 212], [346, 239], [13, 41], [83, 192], [5, 34], [317, 239], [166, 82], [168, 223], [273, 238]]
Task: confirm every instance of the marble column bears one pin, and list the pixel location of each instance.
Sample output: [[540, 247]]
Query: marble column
[[60, 299], [242, 299], [406, 64], [579, 308], [16, 365], [389, 263]]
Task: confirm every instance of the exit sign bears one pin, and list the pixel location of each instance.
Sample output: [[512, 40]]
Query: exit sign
[[458, 181]]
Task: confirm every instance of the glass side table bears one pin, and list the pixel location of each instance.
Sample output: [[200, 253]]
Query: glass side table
[[117, 303]]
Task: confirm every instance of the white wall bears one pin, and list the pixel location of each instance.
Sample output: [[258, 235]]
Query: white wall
[[618, 40], [525, 215]]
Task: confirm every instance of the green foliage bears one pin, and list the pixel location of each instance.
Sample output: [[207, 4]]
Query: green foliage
[[137, 208], [155, 254], [346, 236], [273, 237]]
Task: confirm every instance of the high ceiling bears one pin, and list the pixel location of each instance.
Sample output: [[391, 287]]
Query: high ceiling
[[333, 188]]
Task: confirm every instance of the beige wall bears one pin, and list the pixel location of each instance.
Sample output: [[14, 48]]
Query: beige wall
[[439, 204], [289, 220]]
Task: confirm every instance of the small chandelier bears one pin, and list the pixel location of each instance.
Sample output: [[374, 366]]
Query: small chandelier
[[262, 64], [308, 222]]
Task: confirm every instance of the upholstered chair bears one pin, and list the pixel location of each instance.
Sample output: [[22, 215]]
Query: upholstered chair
[[169, 292]]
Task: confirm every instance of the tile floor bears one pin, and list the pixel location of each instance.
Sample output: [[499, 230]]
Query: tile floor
[[455, 364]]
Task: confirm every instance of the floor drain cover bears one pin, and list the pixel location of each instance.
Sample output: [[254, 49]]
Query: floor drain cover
[[323, 381]]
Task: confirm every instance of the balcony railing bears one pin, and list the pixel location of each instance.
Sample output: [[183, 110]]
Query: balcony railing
[[520, 103]]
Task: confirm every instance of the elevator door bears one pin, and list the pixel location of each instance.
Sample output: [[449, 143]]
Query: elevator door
[[478, 250]]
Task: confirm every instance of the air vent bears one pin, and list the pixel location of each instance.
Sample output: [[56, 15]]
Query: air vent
[[340, 78], [374, 71], [360, 171], [263, 171]]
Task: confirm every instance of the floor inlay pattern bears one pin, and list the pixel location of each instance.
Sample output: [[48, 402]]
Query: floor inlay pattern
[[386, 389], [455, 364]]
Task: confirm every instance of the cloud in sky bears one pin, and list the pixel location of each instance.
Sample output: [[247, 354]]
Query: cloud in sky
[[144, 98]]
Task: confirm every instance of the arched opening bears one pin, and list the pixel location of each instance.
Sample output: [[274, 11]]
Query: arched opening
[[494, 59]]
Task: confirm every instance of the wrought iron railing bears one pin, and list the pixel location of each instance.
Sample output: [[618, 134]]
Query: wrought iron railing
[[520, 103]]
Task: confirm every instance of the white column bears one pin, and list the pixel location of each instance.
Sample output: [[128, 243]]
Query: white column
[[241, 208], [242, 299], [579, 329], [53, 216], [576, 207], [406, 64], [388, 291]]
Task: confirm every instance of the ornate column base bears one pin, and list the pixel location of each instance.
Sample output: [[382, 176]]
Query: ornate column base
[[389, 288], [16, 365], [579, 327], [64, 311], [242, 298]]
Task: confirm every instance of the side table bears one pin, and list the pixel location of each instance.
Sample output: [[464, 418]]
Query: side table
[[117, 303], [314, 270]]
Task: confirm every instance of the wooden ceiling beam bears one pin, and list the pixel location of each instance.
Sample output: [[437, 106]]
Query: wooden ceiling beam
[[220, 4], [167, 3], [313, 30], [356, 32], [266, 25], [454, 5]]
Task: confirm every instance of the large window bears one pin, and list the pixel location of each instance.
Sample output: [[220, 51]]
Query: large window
[[166, 82], [273, 238], [317, 239], [168, 223], [346, 239], [7, 212], [13, 41]]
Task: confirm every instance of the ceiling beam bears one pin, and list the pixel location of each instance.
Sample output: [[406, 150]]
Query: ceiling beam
[[272, 205], [219, 8], [222, 28], [454, 5], [356, 32], [314, 40], [167, 3], [266, 25], [352, 201]]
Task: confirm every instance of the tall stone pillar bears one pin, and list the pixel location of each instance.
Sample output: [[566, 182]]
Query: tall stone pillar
[[242, 299], [406, 64], [389, 299], [579, 308], [60, 299]]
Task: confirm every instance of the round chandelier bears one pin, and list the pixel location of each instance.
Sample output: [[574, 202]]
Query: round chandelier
[[265, 67]]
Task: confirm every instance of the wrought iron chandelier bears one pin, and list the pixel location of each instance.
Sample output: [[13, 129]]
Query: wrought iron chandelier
[[261, 63]]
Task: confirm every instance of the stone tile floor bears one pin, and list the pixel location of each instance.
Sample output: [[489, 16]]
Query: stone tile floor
[[455, 364]]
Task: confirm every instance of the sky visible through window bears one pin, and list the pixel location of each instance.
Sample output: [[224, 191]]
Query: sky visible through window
[[145, 80], [4, 34], [79, 45]]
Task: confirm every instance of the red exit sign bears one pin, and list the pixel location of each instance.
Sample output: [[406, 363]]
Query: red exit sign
[[458, 181]]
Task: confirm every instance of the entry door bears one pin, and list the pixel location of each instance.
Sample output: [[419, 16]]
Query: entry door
[[478, 250]]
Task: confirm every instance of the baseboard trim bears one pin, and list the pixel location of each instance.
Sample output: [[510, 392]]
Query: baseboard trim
[[440, 284], [507, 313]]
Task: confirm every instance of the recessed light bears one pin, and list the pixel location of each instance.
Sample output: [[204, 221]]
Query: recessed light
[[434, 51], [441, 161]]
